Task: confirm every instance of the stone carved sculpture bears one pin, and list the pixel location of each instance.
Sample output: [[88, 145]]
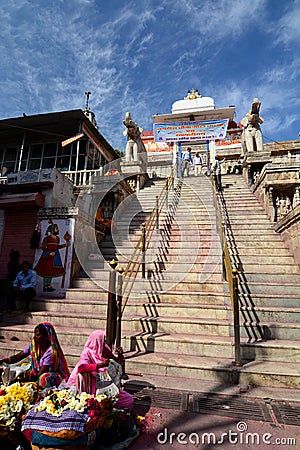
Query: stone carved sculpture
[[255, 176], [283, 206], [252, 135], [135, 150]]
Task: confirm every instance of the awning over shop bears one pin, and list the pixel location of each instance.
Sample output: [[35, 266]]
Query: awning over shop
[[22, 200]]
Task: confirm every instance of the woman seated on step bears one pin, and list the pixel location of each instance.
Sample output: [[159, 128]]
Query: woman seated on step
[[94, 359], [108, 223], [48, 366]]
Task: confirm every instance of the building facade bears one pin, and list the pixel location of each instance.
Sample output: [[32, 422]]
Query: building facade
[[45, 160]]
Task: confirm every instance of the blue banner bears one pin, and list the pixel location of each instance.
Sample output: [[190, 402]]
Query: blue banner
[[190, 131]]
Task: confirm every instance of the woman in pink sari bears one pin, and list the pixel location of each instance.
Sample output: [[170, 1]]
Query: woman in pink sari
[[95, 358]]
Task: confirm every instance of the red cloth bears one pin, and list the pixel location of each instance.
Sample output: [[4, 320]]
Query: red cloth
[[87, 368]]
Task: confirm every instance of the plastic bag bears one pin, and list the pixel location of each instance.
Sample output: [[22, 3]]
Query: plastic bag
[[11, 372], [108, 381]]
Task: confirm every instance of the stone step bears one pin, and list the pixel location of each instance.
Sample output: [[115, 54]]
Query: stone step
[[250, 262], [211, 246], [251, 214], [251, 227], [213, 327], [204, 225], [144, 286], [269, 288], [263, 299], [201, 238], [173, 272], [252, 245], [276, 300], [162, 324], [72, 341], [244, 197], [283, 274], [215, 369], [207, 236], [236, 218], [271, 374], [264, 266], [247, 252], [205, 285], [216, 346], [237, 209], [95, 295], [204, 247], [192, 270], [138, 307], [256, 234], [183, 208], [266, 314]]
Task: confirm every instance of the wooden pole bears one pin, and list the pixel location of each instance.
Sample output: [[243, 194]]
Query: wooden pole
[[119, 293], [236, 319], [67, 238], [144, 250], [111, 306], [157, 214]]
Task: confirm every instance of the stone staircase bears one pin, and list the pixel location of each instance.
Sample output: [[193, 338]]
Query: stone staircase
[[177, 328]]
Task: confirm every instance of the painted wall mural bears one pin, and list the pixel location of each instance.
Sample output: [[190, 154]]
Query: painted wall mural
[[54, 257]]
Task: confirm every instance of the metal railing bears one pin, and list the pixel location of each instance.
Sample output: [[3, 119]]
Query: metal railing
[[118, 297], [230, 274], [138, 257]]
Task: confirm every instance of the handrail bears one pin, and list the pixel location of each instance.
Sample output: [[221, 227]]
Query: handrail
[[230, 274], [81, 177], [134, 264]]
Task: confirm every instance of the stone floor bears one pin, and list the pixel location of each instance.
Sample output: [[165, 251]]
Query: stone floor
[[167, 428]]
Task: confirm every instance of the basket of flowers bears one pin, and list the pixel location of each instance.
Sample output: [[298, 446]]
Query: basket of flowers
[[66, 418], [15, 401]]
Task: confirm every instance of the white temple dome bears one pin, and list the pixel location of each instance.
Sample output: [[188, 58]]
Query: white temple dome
[[192, 103]]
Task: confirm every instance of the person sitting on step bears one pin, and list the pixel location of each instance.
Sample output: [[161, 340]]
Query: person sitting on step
[[95, 358], [48, 366], [25, 284]]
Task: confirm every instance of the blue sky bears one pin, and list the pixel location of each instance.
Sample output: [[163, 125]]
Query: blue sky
[[143, 55]]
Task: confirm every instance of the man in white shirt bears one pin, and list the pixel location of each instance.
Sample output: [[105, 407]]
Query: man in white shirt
[[216, 170], [198, 164]]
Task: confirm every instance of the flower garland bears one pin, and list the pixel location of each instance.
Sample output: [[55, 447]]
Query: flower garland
[[14, 400], [58, 401]]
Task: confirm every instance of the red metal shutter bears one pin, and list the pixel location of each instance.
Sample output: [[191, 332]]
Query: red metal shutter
[[18, 228]]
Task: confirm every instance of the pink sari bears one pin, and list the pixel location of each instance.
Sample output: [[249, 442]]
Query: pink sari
[[92, 354]]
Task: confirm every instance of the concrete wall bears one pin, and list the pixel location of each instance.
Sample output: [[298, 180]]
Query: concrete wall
[[62, 192]]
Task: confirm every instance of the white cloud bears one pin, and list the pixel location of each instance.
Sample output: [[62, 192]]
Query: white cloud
[[287, 30], [141, 56]]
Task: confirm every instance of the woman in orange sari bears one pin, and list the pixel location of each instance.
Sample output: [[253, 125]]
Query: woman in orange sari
[[108, 223]]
